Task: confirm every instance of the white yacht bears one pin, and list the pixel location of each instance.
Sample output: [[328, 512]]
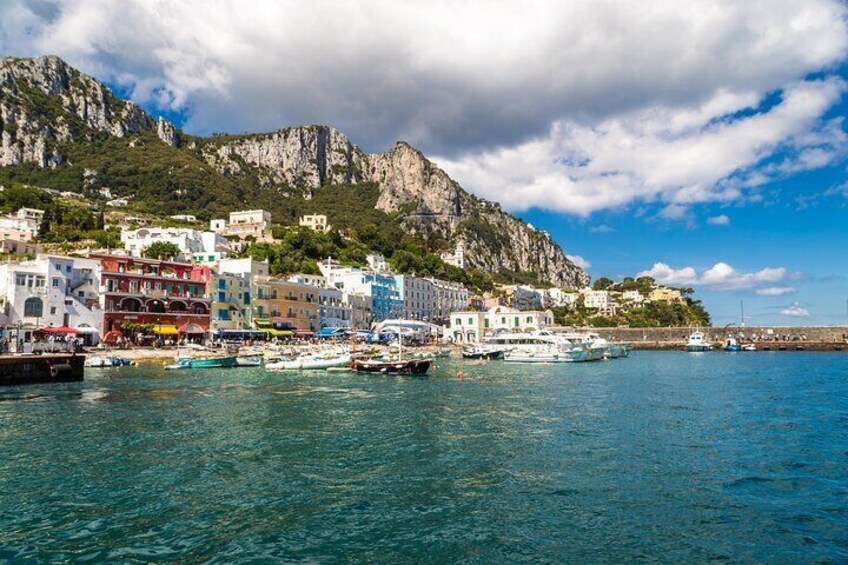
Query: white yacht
[[601, 348], [540, 347]]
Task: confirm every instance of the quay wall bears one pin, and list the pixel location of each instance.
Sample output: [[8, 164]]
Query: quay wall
[[35, 369], [828, 334]]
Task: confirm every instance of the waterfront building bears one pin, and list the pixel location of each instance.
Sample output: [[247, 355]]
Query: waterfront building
[[52, 290], [361, 315], [333, 311], [448, 297], [230, 297], [285, 305], [315, 222], [381, 288], [167, 296], [470, 326], [417, 296]]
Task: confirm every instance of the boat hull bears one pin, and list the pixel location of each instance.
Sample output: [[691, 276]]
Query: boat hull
[[410, 367], [310, 364]]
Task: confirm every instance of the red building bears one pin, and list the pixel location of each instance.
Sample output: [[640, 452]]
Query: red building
[[169, 296]]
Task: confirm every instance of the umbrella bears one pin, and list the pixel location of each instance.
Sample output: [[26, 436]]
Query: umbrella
[[62, 330]]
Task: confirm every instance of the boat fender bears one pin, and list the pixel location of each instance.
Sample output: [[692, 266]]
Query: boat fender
[[59, 370]]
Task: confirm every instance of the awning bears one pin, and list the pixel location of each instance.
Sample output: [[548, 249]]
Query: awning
[[304, 334], [330, 332], [164, 329], [279, 333], [192, 329], [59, 330], [262, 323], [87, 330]]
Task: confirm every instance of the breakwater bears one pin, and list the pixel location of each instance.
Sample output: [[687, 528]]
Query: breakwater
[[778, 338]]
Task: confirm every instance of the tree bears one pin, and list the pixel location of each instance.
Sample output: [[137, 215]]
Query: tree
[[602, 283], [162, 250]]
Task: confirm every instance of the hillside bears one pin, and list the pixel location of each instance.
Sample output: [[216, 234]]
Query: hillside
[[62, 129]]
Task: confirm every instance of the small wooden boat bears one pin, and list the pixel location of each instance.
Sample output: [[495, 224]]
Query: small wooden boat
[[203, 363], [401, 366], [252, 360], [482, 352], [310, 362]]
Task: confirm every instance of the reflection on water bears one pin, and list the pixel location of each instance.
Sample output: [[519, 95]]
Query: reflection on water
[[660, 457]]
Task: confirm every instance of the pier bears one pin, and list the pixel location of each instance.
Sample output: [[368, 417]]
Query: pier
[[40, 369]]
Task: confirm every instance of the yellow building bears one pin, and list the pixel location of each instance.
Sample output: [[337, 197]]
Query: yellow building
[[286, 305], [662, 293], [315, 222]]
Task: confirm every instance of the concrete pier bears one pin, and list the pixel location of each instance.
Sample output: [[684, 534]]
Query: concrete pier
[[38, 369]]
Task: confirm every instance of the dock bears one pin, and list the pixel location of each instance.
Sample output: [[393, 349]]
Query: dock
[[41, 369]]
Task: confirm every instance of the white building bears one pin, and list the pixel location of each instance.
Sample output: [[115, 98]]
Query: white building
[[315, 222], [361, 314], [633, 296], [117, 203], [248, 223], [52, 291], [333, 311], [22, 225], [418, 297], [190, 242], [557, 298], [313, 280], [184, 217], [472, 326], [457, 258], [524, 297], [377, 263], [596, 298], [447, 297]]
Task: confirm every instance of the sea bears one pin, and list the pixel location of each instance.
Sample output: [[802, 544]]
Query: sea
[[664, 457]]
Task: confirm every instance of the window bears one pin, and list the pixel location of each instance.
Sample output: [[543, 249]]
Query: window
[[33, 307], [223, 314], [55, 282], [52, 310], [68, 268], [470, 321], [20, 280], [222, 284], [222, 297]]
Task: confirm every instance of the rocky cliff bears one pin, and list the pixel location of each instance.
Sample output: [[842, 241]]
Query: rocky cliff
[[45, 105]]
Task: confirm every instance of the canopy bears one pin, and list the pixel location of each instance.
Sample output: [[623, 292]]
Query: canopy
[[304, 334], [192, 329], [63, 330], [330, 332], [262, 323], [279, 333], [87, 330], [164, 329]]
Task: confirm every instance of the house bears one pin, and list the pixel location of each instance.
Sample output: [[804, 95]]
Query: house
[[184, 217], [457, 258], [315, 222], [377, 263], [471, 326], [665, 294]]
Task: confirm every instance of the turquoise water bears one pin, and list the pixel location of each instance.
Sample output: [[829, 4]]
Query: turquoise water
[[663, 457]]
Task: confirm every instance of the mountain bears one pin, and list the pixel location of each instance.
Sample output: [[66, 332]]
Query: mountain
[[63, 129]]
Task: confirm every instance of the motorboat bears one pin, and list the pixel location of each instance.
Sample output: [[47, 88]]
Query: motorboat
[[250, 360], [551, 355], [310, 362], [188, 362], [697, 342], [479, 351], [400, 366], [601, 347], [543, 347], [110, 361], [749, 347], [730, 344]]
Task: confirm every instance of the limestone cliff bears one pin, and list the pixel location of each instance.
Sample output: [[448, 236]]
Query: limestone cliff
[[44, 102]]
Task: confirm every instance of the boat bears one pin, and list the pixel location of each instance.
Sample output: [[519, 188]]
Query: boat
[[110, 361], [730, 344], [310, 362], [187, 362], [400, 366], [601, 347], [697, 342], [250, 360], [749, 347], [482, 352], [552, 354]]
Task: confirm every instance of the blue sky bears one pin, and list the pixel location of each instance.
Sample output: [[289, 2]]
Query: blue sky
[[705, 144]]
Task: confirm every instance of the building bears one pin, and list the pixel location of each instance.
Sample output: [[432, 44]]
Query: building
[[118, 203], [333, 311], [417, 296], [231, 302], [361, 315], [315, 222], [662, 293], [22, 226], [559, 298], [215, 248], [167, 297], [52, 290], [285, 305], [17, 247], [314, 280], [249, 223], [633, 296], [448, 297], [600, 300], [184, 217], [377, 263], [471, 326], [457, 258], [524, 297], [190, 242]]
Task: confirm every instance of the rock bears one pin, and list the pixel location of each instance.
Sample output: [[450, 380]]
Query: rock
[[167, 132]]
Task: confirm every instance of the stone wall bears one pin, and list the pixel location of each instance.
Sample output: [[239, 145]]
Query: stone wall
[[830, 334]]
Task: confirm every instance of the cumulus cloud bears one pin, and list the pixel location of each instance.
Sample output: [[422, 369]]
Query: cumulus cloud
[[795, 311], [720, 276], [571, 106], [579, 261], [720, 220], [775, 291]]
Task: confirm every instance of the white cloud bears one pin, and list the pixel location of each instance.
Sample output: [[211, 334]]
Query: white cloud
[[571, 106], [775, 291], [720, 220], [579, 261], [720, 276], [795, 311], [601, 228]]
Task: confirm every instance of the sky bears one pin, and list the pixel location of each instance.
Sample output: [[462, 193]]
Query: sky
[[703, 143]]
